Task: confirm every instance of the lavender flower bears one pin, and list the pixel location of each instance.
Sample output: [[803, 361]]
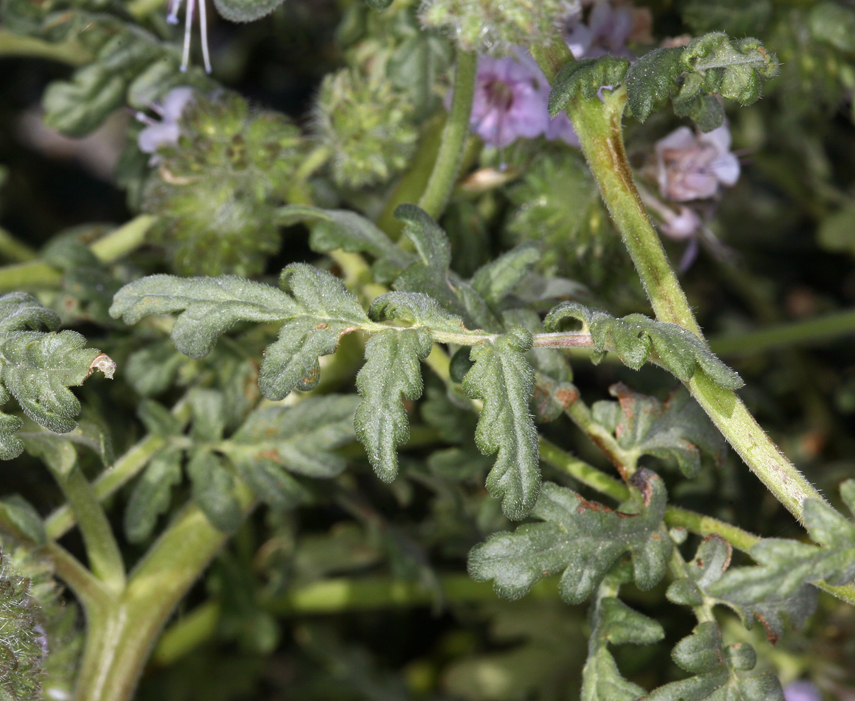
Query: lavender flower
[[172, 17], [166, 131], [802, 690], [604, 33], [510, 103], [693, 166]]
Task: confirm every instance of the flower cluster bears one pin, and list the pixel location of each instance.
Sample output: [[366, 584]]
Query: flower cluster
[[510, 103]]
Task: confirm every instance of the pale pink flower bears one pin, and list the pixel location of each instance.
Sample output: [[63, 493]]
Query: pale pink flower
[[166, 130], [693, 166]]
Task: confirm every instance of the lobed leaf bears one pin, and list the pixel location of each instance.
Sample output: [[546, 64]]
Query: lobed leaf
[[714, 667], [504, 380], [417, 309], [391, 373], [635, 336], [786, 566], [585, 78], [581, 538], [498, 278], [652, 79], [676, 430], [613, 622]]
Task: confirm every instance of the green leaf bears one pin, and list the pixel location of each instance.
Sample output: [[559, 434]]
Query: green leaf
[[22, 515], [582, 538], [391, 373], [417, 309], [703, 654], [634, 337], [498, 278], [676, 430], [705, 110], [833, 24], [340, 228], [735, 17], [733, 69], [246, 10], [301, 438], [378, 4], [207, 307], [652, 79], [786, 566], [613, 622], [157, 419], [152, 495], [585, 78], [502, 378], [213, 490], [209, 419]]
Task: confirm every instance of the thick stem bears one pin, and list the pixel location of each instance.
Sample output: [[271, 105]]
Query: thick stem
[[122, 633], [454, 136], [598, 124]]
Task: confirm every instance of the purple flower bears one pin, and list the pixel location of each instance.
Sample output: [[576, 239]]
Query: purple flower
[[693, 166], [802, 690], [605, 32], [511, 102], [165, 131], [172, 18]]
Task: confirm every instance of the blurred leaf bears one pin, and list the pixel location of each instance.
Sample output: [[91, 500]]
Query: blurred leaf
[[499, 278], [246, 10], [833, 23], [213, 489], [584, 539], [503, 379], [23, 516], [836, 232], [152, 494]]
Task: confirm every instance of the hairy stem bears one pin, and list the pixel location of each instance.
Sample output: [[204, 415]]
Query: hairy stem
[[454, 136], [598, 124]]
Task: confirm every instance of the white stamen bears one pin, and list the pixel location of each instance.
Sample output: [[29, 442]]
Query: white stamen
[[203, 26], [188, 28], [172, 11]]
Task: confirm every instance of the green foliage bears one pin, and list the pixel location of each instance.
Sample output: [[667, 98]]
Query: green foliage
[[152, 495], [833, 24], [37, 368], [635, 337], [391, 373], [585, 78], [774, 612], [676, 430], [715, 668], [581, 538], [710, 65], [215, 189], [503, 379], [613, 622], [785, 566], [731, 16], [316, 314]]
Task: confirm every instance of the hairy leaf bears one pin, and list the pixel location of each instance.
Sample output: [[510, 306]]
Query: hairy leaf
[[582, 538], [634, 337], [391, 373], [498, 278], [416, 308], [652, 79], [585, 78], [785, 566], [613, 622], [677, 429], [703, 654], [710, 564], [503, 379], [23, 516], [152, 494], [733, 69]]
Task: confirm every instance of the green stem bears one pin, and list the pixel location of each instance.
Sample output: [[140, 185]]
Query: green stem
[[122, 633], [124, 470], [454, 136], [70, 52], [36, 275], [598, 124], [808, 331], [105, 558], [14, 250]]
